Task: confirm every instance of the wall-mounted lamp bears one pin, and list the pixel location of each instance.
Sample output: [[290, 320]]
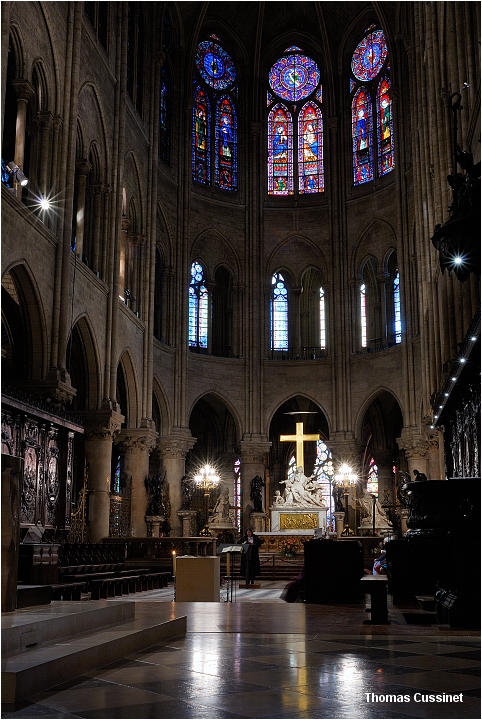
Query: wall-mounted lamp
[[17, 174]]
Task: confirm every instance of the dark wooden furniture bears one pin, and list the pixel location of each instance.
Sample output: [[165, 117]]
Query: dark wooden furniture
[[376, 587]]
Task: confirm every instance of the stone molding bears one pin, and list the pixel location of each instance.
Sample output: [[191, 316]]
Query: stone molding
[[103, 424], [140, 439], [253, 448]]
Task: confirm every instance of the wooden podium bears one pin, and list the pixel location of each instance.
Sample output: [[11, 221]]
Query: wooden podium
[[197, 579]]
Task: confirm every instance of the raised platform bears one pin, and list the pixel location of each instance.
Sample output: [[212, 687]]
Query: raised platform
[[46, 645]]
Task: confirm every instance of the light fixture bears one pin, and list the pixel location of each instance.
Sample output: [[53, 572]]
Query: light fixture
[[44, 204], [17, 173], [345, 477], [446, 394], [432, 427], [458, 260], [440, 407], [462, 360], [435, 417], [454, 379], [473, 338], [207, 479]]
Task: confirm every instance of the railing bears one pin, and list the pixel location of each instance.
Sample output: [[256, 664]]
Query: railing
[[378, 344], [304, 353], [151, 548]]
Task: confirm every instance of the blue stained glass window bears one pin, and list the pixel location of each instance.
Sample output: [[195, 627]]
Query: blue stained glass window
[[279, 313], [237, 494], [310, 149], [215, 66], [386, 159], [116, 482], [291, 467], [280, 151], [226, 145], [324, 473], [372, 479], [397, 315], [362, 130], [352, 85], [369, 56], [198, 308], [294, 77], [322, 320], [201, 137], [363, 315]]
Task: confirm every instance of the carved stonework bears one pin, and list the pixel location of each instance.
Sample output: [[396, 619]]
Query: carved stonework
[[103, 424], [140, 439], [300, 521], [253, 449], [68, 478], [52, 482], [178, 444]]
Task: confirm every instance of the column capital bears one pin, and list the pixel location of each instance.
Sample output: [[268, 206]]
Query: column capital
[[137, 439], [103, 424], [413, 442], [253, 448], [45, 118], [23, 89], [177, 444]]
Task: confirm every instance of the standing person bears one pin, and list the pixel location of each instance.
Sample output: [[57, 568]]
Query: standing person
[[250, 566]]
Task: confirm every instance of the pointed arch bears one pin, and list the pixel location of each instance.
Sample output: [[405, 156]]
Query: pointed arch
[[201, 123], [310, 149], [226, 150], [280, 151], [362, 133], [131, 386], [85, 358]]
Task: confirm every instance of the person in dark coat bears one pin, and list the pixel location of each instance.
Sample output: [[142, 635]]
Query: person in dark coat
[[250, 566]]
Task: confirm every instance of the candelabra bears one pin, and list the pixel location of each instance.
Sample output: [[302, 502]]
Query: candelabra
[[346, 478], [207, 479]]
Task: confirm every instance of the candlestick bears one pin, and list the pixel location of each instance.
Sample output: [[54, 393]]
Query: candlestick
[[174, 563]]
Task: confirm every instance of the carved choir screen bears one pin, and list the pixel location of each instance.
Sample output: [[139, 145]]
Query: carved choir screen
[[462, 435], [120, 498], [46, 447], [237, 494], [295, 129], [214, 133], [371, 107]]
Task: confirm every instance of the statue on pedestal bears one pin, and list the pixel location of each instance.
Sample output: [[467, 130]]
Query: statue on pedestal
[[255, 494], [367, 505], [301, 490], [220, 513]]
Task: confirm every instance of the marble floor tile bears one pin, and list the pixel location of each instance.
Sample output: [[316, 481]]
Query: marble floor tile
[[441, 681]]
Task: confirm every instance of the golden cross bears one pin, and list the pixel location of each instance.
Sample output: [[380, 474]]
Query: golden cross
[[300, 439]]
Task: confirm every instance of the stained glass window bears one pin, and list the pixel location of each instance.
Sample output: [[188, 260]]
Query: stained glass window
[[363, 315], [280, 151], [163, 119], [372, 480], [385, 128], [116, 481], [362, 138], [237, 494], [397, 316], [226, 161], [291, 467], [310, 149], [371, 107], [201, 136], [369, 56], [198, 308], [324, 473], [214, 117], [295, 130], [279, 313], [322, 320]]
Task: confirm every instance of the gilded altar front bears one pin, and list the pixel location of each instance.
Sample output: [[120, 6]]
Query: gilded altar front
[[298, 521]]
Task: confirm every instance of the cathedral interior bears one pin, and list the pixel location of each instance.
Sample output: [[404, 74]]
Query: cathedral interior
[[221, 220]]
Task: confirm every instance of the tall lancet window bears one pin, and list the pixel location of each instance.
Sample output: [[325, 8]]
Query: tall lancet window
[[371, 106], [363, 315], [279, 313], [372, 478], [214, 133], [295, 127], [322, 320], [198, 308]]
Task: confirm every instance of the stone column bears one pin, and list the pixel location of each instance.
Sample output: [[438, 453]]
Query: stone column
[[96, 235], [339, 522], [100, 430], [173, 449], [24, 92], [45, 131], [253, 454], [82, 169], [415, 447], [403, 520], [188, 520], [136, 444], [294, 311]]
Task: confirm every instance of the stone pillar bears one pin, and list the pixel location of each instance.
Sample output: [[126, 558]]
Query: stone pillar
[[82, 170], [45, 130], [257, 521], [403, 520], [173, 449], [153, 523], [253, 454], [123, 255], [188, 520], [415, 447], [100, 430], [294, 310], [24, 92], [96, 235], [339, 522], [136, 444]]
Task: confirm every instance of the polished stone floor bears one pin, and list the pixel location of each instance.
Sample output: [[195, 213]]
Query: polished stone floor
[[268, 659]]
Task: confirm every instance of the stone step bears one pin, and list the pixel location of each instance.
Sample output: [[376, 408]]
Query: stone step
[[29, 595], [31, 627], [43, 667]]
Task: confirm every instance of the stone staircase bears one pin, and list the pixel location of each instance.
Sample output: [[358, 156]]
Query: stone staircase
[[46, 645]]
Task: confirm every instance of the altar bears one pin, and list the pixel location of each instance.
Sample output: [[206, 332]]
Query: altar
[[297, 520]]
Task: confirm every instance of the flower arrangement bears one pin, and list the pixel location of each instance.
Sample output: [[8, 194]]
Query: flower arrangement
[[288, 548]]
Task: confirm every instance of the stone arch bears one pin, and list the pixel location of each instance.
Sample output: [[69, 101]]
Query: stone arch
[[302, 396], [163, 405], [40, 85], [132, 405], [218, 250], [17, 45], [219, 398], [93, 119], [384, 234], [381, 391], [91, 362], [296, 252], [133, 185], [32, 317]]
